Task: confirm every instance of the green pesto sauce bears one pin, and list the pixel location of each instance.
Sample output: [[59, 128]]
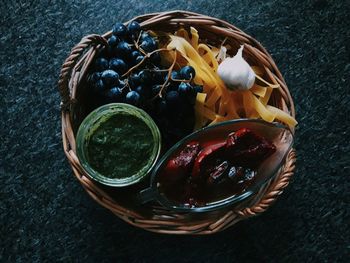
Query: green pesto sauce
[[120, 147]]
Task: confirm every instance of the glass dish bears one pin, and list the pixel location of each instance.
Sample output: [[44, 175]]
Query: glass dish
[[277, 133]]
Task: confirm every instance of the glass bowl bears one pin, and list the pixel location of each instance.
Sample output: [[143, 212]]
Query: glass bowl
[[280, 135], [92, 122]]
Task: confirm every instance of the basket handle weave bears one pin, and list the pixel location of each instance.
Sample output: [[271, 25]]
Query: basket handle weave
[[71, 61]]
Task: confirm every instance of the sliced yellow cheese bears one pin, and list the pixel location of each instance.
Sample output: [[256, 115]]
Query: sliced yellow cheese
[[209, 56], [282, 116], [265, 99], [259, 107], [217, 103], [274, 86], [219, 119], [222, 108], [194, 38], [247, 104], [214, 97], [201, 98], [258, 90], [182, 33], [231, 109], [207, 113]]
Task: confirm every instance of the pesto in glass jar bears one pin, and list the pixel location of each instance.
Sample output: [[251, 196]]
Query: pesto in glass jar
[[118, 144]]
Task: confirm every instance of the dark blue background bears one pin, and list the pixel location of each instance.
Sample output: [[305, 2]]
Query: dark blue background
[[46, 215]]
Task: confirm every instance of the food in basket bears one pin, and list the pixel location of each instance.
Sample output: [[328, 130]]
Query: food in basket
[[185, 83], [209, 171], [152, 73], [166, 74], [218, 103], [77, 103]]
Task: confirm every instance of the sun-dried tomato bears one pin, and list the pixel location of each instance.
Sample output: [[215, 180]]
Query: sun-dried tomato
[[180, 166], [196, 176], [206, 158], [248, 149]]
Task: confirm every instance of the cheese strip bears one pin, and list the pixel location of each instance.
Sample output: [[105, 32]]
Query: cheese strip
[[182, 33], [282, 116], [267, 96], [201, 98], [258, 90], [247, 104], [231, 109], [194, 38], [259, 107], [219, 119], [274, 86], [222, 108], [204, 111], [200, 101], [265, 99], [214, 97], [194, 58], [204, 73], [220, 104], [209, 56]]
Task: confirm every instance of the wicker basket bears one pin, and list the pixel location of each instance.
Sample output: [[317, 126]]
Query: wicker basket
[[152, 217]]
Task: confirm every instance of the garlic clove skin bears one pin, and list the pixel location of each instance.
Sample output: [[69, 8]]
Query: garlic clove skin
[[236, 73], [222, 54]]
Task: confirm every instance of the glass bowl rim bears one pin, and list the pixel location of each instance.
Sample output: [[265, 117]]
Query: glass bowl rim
[[94, 118]]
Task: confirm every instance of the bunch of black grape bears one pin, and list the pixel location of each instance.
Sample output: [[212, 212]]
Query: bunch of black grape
[[126, 48], [174, 108], [168, 98]]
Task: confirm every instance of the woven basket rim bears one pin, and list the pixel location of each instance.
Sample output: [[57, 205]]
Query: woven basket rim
[[73, 72]]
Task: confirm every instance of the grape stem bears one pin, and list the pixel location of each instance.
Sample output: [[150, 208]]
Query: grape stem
[[137, 44], [127, 85], [182, 80], [148, 55]]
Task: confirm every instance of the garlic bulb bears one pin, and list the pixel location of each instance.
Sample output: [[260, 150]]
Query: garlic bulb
[[236, 72]]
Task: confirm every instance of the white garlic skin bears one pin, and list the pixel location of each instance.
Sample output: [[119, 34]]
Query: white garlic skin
[[236, 73], [222, 53]]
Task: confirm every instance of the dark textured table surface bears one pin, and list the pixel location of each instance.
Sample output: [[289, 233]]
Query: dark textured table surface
[[45, 215]]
